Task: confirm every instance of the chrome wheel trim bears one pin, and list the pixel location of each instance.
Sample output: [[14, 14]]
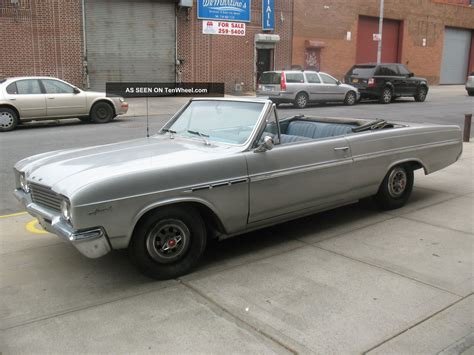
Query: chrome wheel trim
[[6, 119], [397, 182], [387, 95], [422, 95], [167, 241], [351, 98], [302, 100]]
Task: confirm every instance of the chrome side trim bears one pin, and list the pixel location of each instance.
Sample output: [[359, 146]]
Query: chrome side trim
[[217, 184], [299, 169], [405, 150]]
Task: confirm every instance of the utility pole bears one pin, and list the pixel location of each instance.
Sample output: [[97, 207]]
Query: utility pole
[[379, 48]]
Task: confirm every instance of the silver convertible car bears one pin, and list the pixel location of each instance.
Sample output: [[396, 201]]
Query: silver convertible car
[[219, 168], [35, 98]]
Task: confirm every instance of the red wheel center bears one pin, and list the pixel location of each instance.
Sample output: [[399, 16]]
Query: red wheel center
[[171, 243]]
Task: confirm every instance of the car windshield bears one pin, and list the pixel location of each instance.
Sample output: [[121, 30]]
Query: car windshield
[[217, 120], [364, 71]]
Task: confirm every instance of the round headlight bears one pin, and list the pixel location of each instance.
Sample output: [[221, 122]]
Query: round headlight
[[24, 183], [66, 210]]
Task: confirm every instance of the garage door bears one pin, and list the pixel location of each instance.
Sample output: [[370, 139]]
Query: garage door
[[367, 47], [457, 44], [130, 41]]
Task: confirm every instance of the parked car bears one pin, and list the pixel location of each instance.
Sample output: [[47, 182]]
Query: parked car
[[386, 82], [219, 168], [303, 87], [24, 99], [470, 84]]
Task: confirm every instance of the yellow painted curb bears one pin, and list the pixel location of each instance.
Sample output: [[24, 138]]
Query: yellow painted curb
[[32, 227], [13, 214]]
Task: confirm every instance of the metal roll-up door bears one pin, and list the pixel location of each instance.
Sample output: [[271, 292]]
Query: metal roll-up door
[[132, 41], [457, 44]]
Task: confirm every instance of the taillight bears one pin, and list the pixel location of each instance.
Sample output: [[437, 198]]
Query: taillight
[[283, 82], [371, 82]]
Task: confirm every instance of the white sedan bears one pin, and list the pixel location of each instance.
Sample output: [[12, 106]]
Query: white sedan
[[24, 99]]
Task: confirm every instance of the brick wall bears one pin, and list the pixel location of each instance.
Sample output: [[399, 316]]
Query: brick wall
[[230, 59], [42, 37], [329, 21]]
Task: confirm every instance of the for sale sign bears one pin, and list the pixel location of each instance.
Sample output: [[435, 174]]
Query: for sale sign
[[223, 28]]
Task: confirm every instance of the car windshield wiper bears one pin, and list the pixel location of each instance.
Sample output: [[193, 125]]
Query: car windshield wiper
[[202, 135], [377, 124], [170, 131]]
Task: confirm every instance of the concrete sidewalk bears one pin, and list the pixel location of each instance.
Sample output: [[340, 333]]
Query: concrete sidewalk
[[351, 280]]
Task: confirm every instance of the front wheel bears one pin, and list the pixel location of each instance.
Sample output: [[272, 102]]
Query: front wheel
[[301, 100], [102, 112], [8, 119], [420, 94], [351, 98], [168, 242], [396, 188]]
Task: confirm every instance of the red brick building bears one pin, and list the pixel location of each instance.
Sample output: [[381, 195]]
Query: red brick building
[[90, 42], [338, 33], [234, 60], [41, 38]]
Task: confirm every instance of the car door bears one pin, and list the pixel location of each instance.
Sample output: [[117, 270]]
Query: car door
[[62, 100], [26, 95], [409, 84], [332, 91], [315, 87], [299, 176]]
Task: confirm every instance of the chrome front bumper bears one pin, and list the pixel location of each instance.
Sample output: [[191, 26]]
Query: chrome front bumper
[[92, 243]]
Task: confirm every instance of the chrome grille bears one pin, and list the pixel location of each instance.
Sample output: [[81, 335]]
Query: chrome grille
[[44, 196]]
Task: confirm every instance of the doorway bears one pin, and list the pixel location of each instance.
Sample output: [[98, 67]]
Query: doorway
[[264, 61]]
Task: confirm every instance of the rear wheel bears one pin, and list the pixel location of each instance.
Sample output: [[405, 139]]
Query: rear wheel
[[420, 94], [386, 96], [301, 100], [8, 119], [396, 188], [351, 98], [168, 242], [102, 112]]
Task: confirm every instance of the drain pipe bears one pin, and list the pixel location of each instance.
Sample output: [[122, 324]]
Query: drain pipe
[[85, 77]]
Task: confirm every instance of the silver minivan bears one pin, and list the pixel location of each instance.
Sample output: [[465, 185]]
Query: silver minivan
[[303, 87]]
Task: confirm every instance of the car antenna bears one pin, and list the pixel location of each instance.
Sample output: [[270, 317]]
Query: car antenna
[[147, 122]]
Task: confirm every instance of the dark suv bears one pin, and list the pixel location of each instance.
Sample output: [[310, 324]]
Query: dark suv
[[386, 82]]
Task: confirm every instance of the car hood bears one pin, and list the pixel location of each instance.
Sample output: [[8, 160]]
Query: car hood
[[67, 171]]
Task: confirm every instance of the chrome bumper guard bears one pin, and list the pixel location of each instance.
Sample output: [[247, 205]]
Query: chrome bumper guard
[[92, 243]]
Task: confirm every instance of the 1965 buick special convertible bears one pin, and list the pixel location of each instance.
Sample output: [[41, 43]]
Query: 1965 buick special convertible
[[219, 168]]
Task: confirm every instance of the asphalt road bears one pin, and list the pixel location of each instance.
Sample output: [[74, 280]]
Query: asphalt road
[[444, 105]]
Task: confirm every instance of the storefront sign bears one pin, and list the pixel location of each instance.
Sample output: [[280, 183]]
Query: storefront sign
[[227, 10], [223, 28], [268, 14]]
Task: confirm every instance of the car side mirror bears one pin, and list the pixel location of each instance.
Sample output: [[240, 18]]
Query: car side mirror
[[411, 75], [76, 91], [266, 145], [338, 82]]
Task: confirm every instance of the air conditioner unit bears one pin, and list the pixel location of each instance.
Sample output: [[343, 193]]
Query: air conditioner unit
[[185, 3]]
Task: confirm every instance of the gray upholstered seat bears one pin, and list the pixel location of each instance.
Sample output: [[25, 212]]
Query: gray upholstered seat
[[285, 138], [317, 130], [303, 129]]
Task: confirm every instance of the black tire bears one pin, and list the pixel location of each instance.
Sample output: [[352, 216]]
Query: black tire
[[396, 188], [386, 96], [350, 99], [420, 94], [151, 249], [8, 119], [102, 112], [301, 100]]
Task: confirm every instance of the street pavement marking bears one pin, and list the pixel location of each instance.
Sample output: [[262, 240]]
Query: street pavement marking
[[32, 227], [13, 214]]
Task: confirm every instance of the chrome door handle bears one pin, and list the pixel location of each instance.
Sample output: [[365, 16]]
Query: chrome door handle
[[341, 148]]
